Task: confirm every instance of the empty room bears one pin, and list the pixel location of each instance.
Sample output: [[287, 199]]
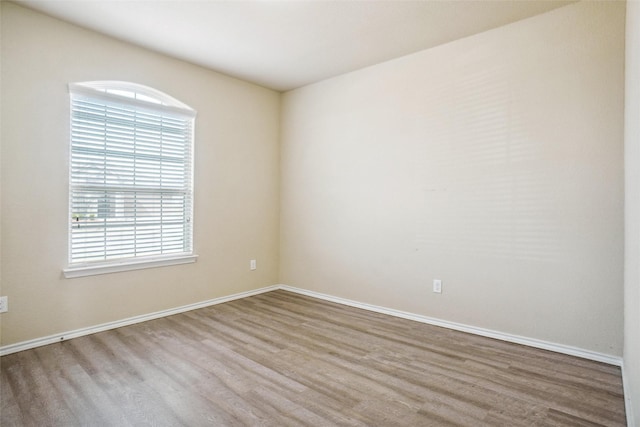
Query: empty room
[[320, 213]]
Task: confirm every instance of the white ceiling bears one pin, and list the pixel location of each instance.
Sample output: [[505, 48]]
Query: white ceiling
[[287, 44]]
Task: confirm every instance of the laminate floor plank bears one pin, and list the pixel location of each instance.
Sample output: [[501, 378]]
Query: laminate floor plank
[[184, 386], [9, 408], [283, 359]]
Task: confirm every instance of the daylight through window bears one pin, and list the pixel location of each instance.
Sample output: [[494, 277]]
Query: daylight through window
[[131, 192]]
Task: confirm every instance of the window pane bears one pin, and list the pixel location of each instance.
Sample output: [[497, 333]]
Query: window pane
[[130, 180]]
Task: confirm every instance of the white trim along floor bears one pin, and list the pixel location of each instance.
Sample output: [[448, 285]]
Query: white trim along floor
[[559, 348]]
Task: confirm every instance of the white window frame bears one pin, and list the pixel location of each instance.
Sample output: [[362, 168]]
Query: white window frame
[[139, 100]]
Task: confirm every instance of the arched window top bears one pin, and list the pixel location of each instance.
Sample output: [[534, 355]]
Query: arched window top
[[131, 93]]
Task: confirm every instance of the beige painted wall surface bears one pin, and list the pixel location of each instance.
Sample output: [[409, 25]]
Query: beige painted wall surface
[[236, 180], [632, 212], [493, 163]]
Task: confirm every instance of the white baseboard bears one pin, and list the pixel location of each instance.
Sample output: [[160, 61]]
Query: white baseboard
[[559, 348], [26, 345], [531, 342], [628, 402], [545, 345]]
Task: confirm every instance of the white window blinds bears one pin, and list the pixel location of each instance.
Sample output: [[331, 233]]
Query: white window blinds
[[131, 189]]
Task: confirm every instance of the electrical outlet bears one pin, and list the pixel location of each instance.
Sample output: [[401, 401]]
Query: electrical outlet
[[252, 264], [4, 304], [437, 286]]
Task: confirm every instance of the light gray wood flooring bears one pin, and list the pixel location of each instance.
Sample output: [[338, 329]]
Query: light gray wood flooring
[[282, 359]]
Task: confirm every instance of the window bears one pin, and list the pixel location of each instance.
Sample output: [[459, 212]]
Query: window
[[131, 192]]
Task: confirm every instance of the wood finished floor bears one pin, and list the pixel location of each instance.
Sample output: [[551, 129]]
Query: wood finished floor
[[282, 359]]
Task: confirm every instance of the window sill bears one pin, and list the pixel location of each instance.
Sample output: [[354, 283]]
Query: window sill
[[92, 270]]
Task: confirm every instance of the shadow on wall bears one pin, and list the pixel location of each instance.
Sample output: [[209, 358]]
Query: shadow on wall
[[478, 174]]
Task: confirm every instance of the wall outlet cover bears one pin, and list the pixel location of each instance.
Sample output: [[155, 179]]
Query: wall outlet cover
[[437, 286]]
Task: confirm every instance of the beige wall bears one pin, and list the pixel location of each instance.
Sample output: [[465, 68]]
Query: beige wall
[[493, 163], [632, 212], [236, 180]]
